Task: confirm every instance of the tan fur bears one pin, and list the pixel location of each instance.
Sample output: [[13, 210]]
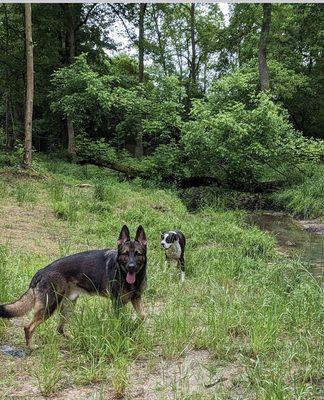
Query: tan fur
[[21, 306], [139, 308]]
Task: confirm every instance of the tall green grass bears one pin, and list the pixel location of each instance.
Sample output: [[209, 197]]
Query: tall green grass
[[241, 302], [306, 199]]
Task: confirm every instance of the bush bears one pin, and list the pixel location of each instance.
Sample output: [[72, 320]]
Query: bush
[[233, 140]]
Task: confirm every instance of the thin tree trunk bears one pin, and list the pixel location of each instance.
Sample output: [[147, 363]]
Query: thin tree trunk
[[138, 151], [14, 115], [30, 88], [7, 85], [71, 137], [263, 68], [205, 77], [161, 47], [141, 42], [7, 123], [71, 46], [193, 73]]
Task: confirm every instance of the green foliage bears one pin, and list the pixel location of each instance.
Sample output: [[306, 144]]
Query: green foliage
[[304, 199], [235, 131], [98, 150], [77, 91], [152, 109]]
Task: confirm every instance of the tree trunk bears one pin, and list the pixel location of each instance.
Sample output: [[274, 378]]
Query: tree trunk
[[141, 42], [193, 72], [30, 88], [263, 68], [8, 131], [71, 137], [71, 47], [161, 47], [205, 77], [7, 134], [138, 151]]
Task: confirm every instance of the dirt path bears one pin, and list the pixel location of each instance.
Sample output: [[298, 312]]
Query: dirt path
[[29, 228]]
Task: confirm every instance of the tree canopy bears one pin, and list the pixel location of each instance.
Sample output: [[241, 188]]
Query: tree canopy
[[170, 84]]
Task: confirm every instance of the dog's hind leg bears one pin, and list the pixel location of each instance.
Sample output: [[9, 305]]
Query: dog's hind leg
[[45, 305], [40, 315], [138, 306], [66, 310], [182, 269]]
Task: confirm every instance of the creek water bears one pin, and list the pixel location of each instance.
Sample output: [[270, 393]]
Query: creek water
[[293, 239]]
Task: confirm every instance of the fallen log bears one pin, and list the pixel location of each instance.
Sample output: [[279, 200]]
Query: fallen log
[[184, 182], [132, 173]]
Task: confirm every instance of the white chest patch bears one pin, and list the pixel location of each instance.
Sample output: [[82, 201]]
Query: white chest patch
[[174, 251], [74, 295]]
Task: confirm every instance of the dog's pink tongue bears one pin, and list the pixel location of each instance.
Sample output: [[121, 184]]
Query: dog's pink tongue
[[130, 277]]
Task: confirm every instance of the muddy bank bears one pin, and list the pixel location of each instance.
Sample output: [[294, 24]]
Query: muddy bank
[[312, 225], [303, 238]]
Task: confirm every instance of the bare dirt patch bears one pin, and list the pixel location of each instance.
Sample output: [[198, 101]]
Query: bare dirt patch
[[29, 228], [171, 378], [149, 379]]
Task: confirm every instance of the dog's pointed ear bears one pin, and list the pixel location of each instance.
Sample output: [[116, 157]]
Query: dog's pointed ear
[[124, 235], [140, 236]]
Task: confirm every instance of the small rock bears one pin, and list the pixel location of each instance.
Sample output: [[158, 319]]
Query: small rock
[[11, 351]]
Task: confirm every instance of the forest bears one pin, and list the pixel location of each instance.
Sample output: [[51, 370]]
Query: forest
[[191, 116], [138, 86]]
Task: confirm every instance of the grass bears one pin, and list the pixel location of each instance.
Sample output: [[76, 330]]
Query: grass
[[305, 199], [250, 310]]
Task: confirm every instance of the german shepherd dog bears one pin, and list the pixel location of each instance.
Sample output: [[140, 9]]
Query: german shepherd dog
[[118, 273]]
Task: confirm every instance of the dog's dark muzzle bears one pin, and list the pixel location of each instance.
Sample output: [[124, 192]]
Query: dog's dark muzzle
[[131, 267], [131, 275]]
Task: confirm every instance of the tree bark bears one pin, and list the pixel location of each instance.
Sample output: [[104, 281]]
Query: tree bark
[[9, 132], [161, 46], [7, 123], [263, 68], [71, 46], [205, 77], [193, 72], [71, 137], [141, 42], [27, 160], [138, 151]]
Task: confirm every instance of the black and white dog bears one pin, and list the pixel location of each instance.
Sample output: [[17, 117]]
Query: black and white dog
[[174, 243]]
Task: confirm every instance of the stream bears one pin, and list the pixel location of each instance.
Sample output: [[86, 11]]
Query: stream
[[293, 239]]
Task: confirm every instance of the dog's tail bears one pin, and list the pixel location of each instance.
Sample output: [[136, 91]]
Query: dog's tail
[[19, 307]]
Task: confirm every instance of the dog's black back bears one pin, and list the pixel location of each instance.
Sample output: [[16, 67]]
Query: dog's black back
[[94, 271], [120, 273]]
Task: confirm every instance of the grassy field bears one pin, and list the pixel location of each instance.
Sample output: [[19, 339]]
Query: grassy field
[[246, 324]]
